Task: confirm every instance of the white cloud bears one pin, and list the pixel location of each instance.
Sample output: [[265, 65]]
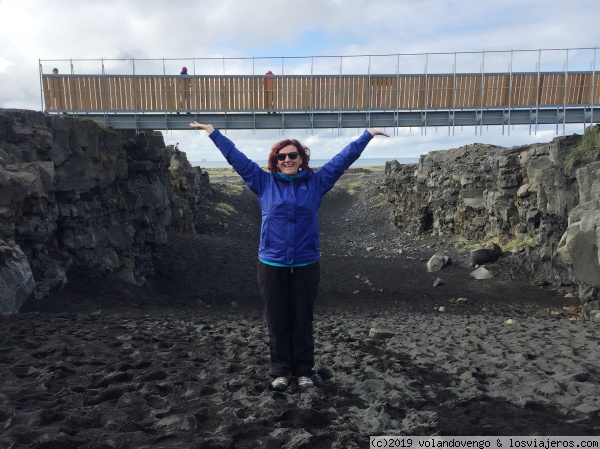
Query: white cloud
[[178, 31], [4, 64]]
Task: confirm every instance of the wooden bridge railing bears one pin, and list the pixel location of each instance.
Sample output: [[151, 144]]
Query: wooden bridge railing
[[128, 93]]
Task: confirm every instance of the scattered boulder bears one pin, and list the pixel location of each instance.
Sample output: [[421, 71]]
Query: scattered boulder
[[381, 333], [438, 261], [481, 274]]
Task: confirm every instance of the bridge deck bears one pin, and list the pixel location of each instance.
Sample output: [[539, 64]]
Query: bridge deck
[[213, 94]]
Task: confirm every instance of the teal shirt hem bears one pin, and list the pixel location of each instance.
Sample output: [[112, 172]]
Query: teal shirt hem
[[287, 177]]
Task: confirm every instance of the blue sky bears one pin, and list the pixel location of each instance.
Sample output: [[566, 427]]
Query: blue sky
[[31, 30]]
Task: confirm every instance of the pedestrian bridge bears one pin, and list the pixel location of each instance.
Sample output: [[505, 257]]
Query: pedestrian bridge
[[163, 102]]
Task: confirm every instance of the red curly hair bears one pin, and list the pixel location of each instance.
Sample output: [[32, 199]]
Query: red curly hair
[[304, 154]]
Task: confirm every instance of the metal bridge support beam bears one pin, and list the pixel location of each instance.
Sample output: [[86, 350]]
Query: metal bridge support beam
[[348, 119]]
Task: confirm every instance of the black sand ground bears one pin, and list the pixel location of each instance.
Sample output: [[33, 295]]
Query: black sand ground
[[182, 363]]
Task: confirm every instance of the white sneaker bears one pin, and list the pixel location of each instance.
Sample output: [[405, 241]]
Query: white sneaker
[[280, 384], [305, 382]]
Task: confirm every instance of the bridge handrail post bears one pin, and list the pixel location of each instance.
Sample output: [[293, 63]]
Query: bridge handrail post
[[538, 93], [312, 62], [280, 88], [510, 84], [164, 93], [193, 92], [102, 90], [134, 88], [255, 99], [454, 94], [339, 97], [70, 84], [426, 99], [482, 93], [370, 94], [280, 96], [41, 86], [593, 93], [397, 112], [566, 82]]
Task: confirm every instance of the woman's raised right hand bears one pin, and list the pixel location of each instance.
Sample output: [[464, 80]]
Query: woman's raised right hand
[[206, 127]]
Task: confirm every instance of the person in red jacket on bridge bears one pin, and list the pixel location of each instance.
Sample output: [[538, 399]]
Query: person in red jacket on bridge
[[269, 91]]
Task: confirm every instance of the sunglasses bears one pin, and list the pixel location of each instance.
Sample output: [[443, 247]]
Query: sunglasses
[[292, 156]]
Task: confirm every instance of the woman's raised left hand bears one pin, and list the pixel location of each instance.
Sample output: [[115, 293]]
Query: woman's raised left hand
[[375, 132]]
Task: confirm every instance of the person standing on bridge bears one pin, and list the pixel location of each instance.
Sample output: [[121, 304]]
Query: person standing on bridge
[[183, 91], [268, 86], [289, 195]]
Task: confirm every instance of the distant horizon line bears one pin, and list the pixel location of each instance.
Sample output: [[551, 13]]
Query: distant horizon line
[[361, 162], [327, 159]]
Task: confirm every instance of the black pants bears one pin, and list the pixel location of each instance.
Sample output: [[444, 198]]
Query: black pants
[[289, 295]]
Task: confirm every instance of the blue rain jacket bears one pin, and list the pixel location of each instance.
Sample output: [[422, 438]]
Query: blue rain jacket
[[290, 223]]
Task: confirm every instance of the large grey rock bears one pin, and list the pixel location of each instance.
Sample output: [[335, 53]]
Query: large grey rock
[[22, 180], [74, 192], [189, 186], [438, 261], [583, 252], [578, 250], [589, 184], [382, 333], [487, 253], [480, 191], [590, 309], [481, 274]]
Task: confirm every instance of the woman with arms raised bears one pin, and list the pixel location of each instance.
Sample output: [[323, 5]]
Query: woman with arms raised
[[289, 195]]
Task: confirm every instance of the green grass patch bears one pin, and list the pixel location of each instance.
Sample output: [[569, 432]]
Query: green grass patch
[[219, 171], [225, 209], [527, 242], [353, 187], [511, 245], [230, 189], [589, 143]]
